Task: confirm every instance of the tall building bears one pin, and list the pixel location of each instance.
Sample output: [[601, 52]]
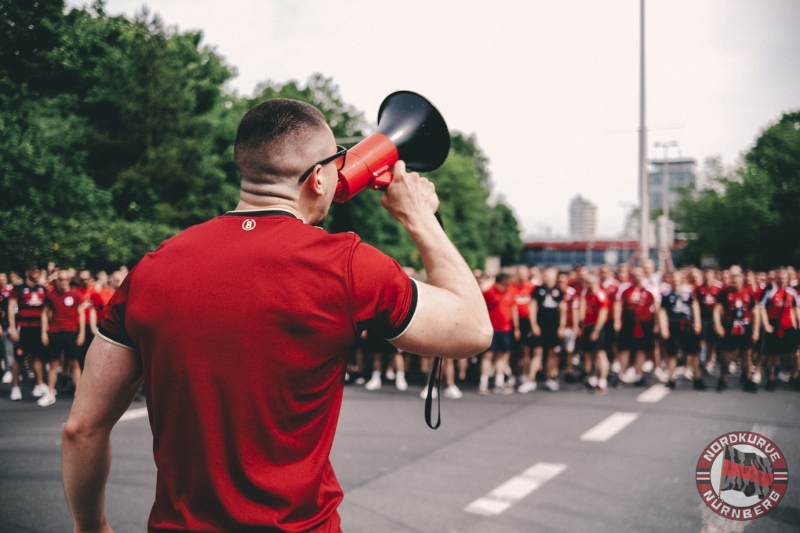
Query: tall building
[[681, 174], [582, 218]]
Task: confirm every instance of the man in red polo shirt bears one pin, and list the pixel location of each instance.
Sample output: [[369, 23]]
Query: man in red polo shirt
[[243, 393], [778, 315], [63, 331], [503, 315]]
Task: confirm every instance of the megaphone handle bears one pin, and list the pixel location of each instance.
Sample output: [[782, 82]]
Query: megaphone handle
[[435, 375]]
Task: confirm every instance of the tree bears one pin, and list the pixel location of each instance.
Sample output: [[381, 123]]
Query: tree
[[750, 215]]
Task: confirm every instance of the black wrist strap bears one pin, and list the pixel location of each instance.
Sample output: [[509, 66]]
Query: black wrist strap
[[435, 375]]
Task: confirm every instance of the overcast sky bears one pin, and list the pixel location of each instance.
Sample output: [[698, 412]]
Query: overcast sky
[[549, 88]]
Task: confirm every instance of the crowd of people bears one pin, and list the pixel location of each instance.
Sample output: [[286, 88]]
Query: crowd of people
[[48, 319], [600, 329]]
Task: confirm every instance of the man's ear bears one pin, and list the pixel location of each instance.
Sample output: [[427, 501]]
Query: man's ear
[[315, 181]]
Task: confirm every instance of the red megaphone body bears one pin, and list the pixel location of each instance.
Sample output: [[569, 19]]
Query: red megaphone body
[[409, 128]]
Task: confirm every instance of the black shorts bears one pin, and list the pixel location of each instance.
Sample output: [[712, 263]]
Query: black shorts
[[636, 337], [30, 344], [66, 342], [548, 339], [780, 341], [742, 340], [525, 332], [682, 339], [590, 346], [609, 337], [501, 342], [708, 333]]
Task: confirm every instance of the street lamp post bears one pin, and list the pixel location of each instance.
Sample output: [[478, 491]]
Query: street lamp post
[[644, 211]]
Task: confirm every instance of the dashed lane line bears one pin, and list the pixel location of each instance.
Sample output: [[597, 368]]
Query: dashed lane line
[[653, 394], [130, 414], [609, 427], [516, 488]]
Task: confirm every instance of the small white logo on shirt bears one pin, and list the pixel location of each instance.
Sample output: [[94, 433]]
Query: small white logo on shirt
[[68, 301], [248, 224]]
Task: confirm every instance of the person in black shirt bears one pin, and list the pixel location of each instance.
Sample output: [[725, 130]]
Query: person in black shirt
[[681, 327]]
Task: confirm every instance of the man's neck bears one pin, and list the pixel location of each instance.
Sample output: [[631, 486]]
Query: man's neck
[[266, 204]]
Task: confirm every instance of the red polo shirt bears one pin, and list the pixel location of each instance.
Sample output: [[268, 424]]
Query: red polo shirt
[[499, 305], [243, 326], [65, 307]]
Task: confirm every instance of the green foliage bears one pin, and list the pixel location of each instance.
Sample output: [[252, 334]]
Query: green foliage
[[750, 216], [117, 133]]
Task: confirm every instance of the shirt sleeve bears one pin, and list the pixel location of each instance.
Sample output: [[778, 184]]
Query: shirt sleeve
[[382, 296], [112, 324]]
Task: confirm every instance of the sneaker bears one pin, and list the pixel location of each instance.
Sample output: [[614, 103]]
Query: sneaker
[[526, 386], [16, 394], [629, 376], [699, 384], [503, 389], [757, 378], [647, 366], [359, 381], [770, 385], [615, 367], [671, 384], [424, 393], [47, 399], [640, 382], [401, 383], [784, 376], [732, 368], [483, 390], [660, 374], [40, 390], [552, 385], [373, 384], [390, 375], [512, 381], [7, 377], [452, 392], [688, 374]]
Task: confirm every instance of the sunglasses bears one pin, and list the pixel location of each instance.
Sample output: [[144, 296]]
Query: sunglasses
[[341, 151]]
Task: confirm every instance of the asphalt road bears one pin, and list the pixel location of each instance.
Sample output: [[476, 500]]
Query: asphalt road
[[400, 476]]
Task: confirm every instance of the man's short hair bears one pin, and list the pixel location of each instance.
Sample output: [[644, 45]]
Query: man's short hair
[[265, 131], [501, 278]]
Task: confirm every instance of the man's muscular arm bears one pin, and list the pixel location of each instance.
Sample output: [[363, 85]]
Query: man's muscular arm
[[110, 380], [451, 319]]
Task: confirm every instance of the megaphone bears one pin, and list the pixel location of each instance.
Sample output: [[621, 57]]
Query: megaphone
[[409, 128]]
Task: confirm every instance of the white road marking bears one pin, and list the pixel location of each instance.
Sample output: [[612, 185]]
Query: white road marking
[[653, 394], [130, 414], [516, 488], [609, 427], [765, 430]]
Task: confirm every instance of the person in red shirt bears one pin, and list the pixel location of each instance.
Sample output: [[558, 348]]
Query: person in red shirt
[[24, 327], [737, 325], [706, 296], [594, 311], [63, 332], [6, 346], [634, 322], [244, 376], [503, 315], [92, 304], [572, 299], [522, 288], [779, 316]]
